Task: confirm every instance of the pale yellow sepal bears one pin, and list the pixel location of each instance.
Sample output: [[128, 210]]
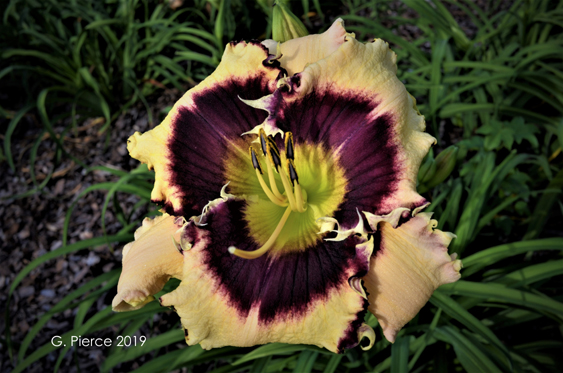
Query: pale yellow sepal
[[149, 262], [411, 263]]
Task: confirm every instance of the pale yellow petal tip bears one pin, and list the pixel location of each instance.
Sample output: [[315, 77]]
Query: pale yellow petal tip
[[450, 272], [149, 262], [390, 333], [139, 147], [365, 331], [130, 301], [336, 30], [132, 144]]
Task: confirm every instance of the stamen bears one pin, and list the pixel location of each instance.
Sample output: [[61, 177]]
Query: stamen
[[255, 163], [299, 200], [273, 184], [258, 168], [274, 156], [273, 153], [292, 172], [289, 148], [268, 245], [263, 142]]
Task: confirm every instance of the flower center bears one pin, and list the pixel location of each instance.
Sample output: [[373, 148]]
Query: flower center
[[296, 187], [293, 197]]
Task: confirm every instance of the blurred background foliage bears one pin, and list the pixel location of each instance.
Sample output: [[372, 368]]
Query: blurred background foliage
[[488, 77]]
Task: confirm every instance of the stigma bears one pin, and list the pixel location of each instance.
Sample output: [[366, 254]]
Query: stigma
[[293, 197]]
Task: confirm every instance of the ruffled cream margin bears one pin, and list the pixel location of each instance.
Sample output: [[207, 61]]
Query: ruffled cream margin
[[149, 262], [411, 263]]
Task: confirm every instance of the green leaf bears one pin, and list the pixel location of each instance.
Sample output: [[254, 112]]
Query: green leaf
[[400, 355], [543, 208], [501, 294], [485, 258], [459, 313], [151, 344], [333, 364], [469, 355], [274, 349], [532, 273], [305, 362], [110, 280], [8, 135]]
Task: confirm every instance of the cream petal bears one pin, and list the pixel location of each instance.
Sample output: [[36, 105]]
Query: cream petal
[[149, 262], [411, 263]]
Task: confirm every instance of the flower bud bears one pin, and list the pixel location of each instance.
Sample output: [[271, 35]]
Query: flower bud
[[445, 163], [427, 169], [285, 24]]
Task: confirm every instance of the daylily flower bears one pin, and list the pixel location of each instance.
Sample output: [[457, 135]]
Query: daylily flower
[[288, 185]]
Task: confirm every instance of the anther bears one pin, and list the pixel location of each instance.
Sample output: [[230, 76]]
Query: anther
[[264, 146], [292, 172], [255, 161], [300, 195], [289, 149], [275, 198], [274, 153], [263, 141]]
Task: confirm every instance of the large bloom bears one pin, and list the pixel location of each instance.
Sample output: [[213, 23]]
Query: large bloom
[[288, 185]]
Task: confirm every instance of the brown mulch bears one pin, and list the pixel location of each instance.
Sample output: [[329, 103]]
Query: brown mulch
[[32, 226]]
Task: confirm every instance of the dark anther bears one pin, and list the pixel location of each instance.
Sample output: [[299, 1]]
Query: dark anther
[[186, 332], [274, 153], [255, 162], [289, 151], [273, 144], [263, 142], [292, 172]]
